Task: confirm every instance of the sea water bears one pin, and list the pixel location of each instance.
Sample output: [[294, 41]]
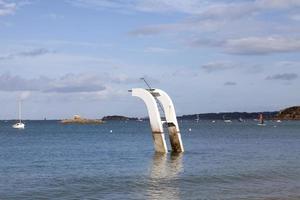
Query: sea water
[[116, 160]]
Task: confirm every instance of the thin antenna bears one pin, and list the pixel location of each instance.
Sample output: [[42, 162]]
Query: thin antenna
[[146, 83], [150, 88]]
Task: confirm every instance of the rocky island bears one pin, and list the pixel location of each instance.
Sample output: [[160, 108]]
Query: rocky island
[[118, 118], [291, 113], [79, 120]]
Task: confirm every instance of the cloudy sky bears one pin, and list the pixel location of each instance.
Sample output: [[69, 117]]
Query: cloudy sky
[[65, 57]]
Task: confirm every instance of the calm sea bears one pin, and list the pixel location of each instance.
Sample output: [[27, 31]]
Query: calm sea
[[48, 160]]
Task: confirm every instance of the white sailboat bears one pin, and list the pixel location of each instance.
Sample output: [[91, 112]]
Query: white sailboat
[[19, 125], [226, 120], [197, 119], [261, 120]]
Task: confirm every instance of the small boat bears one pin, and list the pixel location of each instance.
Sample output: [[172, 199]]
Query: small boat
[[226, 120], [19, 125], [240, 119], [197, 119], [278, 121], [261, 120]]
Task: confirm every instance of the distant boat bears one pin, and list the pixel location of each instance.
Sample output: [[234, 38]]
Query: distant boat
[[278, 121], [240, 119], [139, 120], [197, 119], [19, 125], [226, 120], [261, 120]]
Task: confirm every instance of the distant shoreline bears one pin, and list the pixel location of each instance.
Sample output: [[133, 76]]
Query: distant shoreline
[[291, 113], [229, 115], [200, 116]]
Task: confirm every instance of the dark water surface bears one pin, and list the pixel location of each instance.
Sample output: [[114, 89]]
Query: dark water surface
[[48, 160]]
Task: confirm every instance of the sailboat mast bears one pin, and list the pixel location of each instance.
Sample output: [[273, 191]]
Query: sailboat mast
[[20, 111]]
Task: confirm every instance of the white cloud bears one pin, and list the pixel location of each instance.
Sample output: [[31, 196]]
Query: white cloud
[[284, 76], [252, 45], [278, 4], [69, 83], [227, 10], [295, 17], [187, 6], [7, 8], [219, 18], [103, 4], [238, 27], [191, 7], [158, 50], [26, 53], [262, 45], [12, 83], [218, 66], [193, 25], [153, 29], [232, 67], [54, 16], [230, 83]]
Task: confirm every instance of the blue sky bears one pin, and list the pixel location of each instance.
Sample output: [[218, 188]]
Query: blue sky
[[65, 57]]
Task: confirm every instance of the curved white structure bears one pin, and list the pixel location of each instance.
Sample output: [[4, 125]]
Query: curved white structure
[[173, 128], [154, 117], [149, 96]]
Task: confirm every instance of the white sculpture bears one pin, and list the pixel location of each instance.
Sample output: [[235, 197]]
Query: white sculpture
[[149, 96]]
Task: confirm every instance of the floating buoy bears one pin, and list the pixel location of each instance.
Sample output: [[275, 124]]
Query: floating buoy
[[190, 129], [110, 131]]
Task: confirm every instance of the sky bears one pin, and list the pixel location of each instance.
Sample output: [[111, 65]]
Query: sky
[[66, 57]]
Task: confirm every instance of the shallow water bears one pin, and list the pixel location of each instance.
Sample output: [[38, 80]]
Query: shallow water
[[48, 160]]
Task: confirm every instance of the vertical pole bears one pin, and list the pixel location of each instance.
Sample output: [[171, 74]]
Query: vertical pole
[[20, 111]]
